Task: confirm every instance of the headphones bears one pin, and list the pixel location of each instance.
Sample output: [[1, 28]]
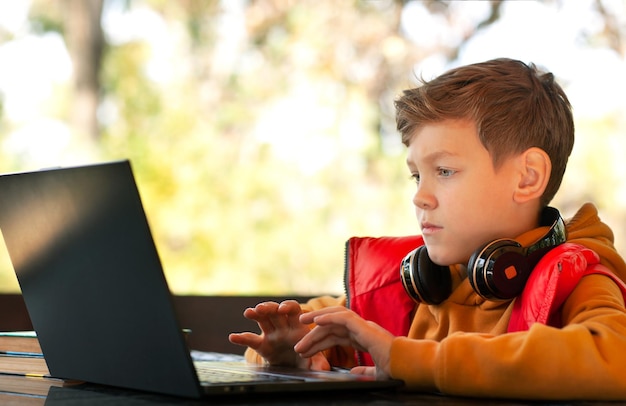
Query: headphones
[[497, 271]]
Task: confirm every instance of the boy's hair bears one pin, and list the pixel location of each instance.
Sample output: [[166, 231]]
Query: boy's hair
[[513, 105]]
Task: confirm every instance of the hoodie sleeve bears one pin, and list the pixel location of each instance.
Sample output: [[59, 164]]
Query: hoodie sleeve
[[583, 360]]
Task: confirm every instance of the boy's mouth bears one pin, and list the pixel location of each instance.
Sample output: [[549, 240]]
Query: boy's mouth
[[429, 228]]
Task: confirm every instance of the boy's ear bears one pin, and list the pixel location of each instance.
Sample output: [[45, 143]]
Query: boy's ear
[[535, 168]]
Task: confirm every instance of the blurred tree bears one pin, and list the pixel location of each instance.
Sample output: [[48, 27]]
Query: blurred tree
[[262, 132], [85, 42], [78, 22]]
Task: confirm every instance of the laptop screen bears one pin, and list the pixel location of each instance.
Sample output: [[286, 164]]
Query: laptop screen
[[84, 257]]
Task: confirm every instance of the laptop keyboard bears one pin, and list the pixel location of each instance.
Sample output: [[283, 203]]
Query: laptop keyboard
[[211, 374]]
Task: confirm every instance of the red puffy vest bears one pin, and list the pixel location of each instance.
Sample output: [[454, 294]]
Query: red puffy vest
[[373, 286], [551, 282], [375, 292]]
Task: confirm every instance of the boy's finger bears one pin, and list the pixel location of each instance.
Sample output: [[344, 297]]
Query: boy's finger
[[289, 307], [322, 344], [291, 311], [308, 318], [245, 339]]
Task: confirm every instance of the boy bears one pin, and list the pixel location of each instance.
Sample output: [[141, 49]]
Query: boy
[[487, 146]]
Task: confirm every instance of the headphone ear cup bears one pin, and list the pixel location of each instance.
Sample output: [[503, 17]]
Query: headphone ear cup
[[424, 280], [499, 270]]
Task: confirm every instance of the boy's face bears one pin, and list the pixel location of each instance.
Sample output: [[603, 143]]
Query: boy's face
[[461, 201]]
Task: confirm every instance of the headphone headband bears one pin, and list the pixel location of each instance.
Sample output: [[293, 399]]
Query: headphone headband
[[555, 236]]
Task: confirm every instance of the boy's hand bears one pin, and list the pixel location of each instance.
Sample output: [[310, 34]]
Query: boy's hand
[[281, 329], [343, 327]]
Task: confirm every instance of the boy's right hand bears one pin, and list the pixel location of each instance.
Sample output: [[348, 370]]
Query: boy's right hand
[[281, 329]]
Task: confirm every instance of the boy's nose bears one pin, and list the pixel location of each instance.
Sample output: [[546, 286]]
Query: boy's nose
[[423, 199]]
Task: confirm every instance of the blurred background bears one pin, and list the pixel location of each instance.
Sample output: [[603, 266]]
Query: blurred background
[[262, 132]]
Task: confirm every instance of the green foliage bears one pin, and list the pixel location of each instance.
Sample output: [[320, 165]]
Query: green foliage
[[261, 138], [240, 209]]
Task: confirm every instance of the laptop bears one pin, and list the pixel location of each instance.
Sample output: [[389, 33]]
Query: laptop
[[94, 287]]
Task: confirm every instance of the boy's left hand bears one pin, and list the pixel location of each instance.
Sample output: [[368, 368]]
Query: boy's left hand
[[343, 327]]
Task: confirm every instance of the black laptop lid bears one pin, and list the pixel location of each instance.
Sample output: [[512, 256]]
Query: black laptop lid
[[92, 280]]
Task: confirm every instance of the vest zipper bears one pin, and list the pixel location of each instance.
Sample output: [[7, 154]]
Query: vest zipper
[[346, 272], [358, 355]]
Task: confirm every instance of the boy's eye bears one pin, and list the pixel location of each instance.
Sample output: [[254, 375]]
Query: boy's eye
[[446, 172], [415, 177]]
